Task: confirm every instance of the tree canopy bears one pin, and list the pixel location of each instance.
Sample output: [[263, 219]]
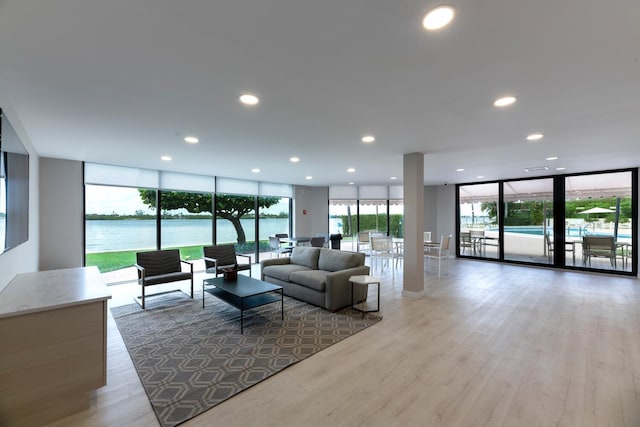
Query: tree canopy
[[229, 207]]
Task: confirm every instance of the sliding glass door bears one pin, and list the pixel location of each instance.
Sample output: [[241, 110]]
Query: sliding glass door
[[528, 220], [479, 234], [582, 221], [599, 211]]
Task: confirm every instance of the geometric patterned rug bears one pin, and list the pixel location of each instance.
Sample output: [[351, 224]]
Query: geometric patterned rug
[[190, 359]]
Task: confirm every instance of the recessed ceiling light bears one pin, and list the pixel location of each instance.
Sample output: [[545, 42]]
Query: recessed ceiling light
[[308, 177], [560, 169], [460, 170], [368, 138], [552, 158], [166, 158], [504, 101], [536, 168], [191, 139], [255, 170], [351, 170], [351, 183], [535, 137], [480, 176], [393, 178], [249, 99], [294, 159], [438, 18]]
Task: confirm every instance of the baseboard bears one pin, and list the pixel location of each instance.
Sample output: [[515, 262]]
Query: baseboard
[[414, 295]]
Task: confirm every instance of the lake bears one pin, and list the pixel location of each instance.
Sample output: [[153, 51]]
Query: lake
[[128, 234]]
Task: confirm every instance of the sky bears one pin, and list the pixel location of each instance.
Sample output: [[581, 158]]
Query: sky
[[101, 199]]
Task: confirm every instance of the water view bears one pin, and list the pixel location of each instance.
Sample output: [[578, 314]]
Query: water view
[[128, 234]]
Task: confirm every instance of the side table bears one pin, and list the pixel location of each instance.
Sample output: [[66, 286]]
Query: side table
[[364, 281]]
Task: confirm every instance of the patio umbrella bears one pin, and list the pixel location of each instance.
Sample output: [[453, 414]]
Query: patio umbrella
[[596, 211]]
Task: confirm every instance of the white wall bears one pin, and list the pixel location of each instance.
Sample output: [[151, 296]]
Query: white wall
[[61, 214], [23, 258]]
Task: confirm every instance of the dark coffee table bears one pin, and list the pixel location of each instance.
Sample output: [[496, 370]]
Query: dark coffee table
[[243, 293]]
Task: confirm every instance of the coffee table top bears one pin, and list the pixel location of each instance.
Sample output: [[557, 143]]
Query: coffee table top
[[243, 286]]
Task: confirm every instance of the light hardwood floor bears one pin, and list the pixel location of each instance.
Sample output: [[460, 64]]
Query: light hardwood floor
[[489, 345]]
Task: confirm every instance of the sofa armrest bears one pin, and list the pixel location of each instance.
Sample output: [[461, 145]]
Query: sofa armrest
[[338, 288], [272, 261]]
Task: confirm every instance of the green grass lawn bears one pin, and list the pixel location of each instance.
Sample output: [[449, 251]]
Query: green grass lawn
[[111, 261]]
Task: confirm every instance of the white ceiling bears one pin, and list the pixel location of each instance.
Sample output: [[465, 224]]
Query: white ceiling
[[123, 81]]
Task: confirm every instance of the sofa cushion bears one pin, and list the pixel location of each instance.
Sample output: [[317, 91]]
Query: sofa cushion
[[313, 279], [282, 271], [335, 260], [305, 255]]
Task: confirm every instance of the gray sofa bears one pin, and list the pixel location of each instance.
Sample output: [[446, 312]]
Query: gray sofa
[[319, 276]]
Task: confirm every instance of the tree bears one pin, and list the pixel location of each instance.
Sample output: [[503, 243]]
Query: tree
[[229, 207]]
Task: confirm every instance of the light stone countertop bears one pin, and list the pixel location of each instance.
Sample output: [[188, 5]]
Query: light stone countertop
[[46, 290]]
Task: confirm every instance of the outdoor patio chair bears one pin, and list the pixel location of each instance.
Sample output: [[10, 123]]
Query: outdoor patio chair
[[222, 257], [598, 247], [568, 247], [465, 241]]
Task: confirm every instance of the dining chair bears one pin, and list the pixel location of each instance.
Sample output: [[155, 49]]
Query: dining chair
[[382, 248], [426, 237], [441, 254], [276, 248], [363, 244], [569, 247]]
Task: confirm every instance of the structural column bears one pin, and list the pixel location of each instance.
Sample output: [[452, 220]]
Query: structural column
[[413, 166]]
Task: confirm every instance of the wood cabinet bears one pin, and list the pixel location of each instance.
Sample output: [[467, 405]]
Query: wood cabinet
[[52, 344]]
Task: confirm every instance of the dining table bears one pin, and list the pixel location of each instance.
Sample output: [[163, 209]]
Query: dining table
[[297, 240]]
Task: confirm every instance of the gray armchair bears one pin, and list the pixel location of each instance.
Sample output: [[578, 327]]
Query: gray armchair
[[157, 267], [221, 257]]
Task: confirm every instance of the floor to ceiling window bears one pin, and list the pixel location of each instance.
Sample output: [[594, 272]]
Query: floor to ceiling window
[[528, 220], [235, 221], [343, 220], [479, 234], [599, 219], [396, 218], [582, 221], [186, 222], [372, 215], [118, 223], [274, 218], [121, 216]]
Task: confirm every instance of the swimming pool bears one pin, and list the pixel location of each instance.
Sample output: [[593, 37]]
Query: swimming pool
[[537, 230]]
